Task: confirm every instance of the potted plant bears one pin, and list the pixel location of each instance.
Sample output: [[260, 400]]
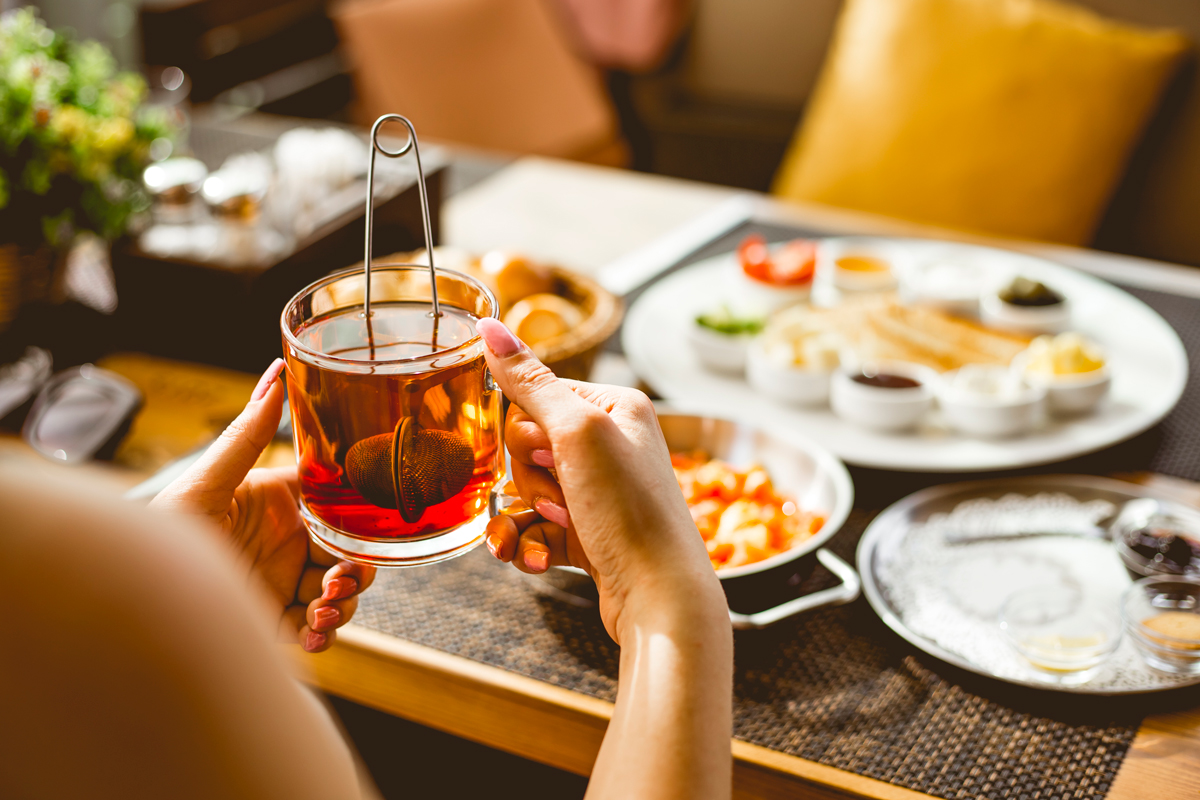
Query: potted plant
[[75, 136]]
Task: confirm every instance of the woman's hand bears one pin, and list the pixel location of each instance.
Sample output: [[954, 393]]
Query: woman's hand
[[591, 462], [257, 509]]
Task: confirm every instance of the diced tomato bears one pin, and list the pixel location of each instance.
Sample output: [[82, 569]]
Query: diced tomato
[[707, 516], [795, 263], [737, 511], [719, 552], [756, 539], [754, 257], [717, 479], [758, 486]]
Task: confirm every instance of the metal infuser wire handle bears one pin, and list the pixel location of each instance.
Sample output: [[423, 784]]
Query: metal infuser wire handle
[[411, 144]]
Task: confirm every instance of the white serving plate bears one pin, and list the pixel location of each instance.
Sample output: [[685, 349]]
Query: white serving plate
[[1147, 359], [945, 598]]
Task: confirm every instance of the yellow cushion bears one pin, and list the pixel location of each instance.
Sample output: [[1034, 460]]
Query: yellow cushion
[[1009, 117]]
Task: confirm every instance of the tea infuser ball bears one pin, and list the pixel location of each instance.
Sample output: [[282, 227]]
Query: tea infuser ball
[[410, 469]]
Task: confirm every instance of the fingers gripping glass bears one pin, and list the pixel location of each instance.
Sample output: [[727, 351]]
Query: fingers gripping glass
[[397, 424]]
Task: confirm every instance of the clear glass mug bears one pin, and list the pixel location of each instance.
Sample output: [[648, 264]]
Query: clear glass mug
[[398, 426]]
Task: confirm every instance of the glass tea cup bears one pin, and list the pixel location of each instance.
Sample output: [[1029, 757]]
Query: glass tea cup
[[397, 423]]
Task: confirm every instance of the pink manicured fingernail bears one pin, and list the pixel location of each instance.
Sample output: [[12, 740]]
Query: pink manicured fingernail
[[315, 641], [552, 511], [339, 588], [268, 377], [537, 560], [326, 617], [543, 458], [499, 339]]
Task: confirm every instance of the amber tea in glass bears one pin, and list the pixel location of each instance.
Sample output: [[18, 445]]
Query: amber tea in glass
[[397, 423]]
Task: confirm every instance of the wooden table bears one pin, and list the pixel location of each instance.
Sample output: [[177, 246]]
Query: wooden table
[[591, 219]]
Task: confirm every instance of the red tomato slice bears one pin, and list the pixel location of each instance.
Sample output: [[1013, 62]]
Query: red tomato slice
[[795, 262], [755, 258]]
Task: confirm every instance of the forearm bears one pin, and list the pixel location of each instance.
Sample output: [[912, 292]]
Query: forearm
[[669, 735]]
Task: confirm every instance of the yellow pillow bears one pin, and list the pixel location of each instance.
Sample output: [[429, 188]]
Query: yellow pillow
[[1009, 117]]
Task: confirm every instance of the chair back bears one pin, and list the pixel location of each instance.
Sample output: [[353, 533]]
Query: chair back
[[495, 74]]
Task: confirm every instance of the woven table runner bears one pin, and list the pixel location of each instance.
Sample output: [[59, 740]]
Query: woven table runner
[[835, 685]]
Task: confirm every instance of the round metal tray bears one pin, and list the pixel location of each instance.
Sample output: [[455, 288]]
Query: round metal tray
[[943, 596]]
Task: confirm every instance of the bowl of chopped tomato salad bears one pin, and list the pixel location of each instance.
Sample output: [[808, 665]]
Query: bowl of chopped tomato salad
[[759, 499]]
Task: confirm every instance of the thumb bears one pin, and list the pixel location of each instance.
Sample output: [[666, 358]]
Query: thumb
[[525, 380], [211, 481]]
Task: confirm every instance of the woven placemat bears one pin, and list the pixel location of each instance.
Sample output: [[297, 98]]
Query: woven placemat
[[832, 686]]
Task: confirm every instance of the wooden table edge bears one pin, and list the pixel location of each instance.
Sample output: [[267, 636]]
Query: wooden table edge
[[534, 719]]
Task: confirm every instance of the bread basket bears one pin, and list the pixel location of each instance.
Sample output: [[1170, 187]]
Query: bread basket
[[572, 354]]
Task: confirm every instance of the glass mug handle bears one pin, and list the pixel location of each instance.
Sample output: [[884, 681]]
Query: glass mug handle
[[499, 501]]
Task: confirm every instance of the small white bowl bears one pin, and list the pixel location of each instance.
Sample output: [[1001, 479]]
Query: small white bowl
[[794, 385], [767, 298], [880, 408], [946, 284], [996, 313], [1072, 395], [831, 251], [991, 416], [719, 352]]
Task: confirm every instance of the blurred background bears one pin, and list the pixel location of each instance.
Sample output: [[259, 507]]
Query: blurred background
[[712, 90]]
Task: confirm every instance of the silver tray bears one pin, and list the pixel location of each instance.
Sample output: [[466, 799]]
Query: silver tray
[[944, 598]]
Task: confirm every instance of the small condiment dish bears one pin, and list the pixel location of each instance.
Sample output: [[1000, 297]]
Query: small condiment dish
[[1043, 317], [1158, 538], [858, 265], [773, 277], [1162, 617], [750, 292], [945, 284], [1062, 635], [785, 380], [863, 396], [1075, 394], [719, 352], [1073, 370], [990, 401]]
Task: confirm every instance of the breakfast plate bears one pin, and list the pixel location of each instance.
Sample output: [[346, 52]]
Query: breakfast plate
[[939, 566], [1145, 357]]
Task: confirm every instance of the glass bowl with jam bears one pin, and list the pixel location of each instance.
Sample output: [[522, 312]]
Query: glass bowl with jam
[[1156, 538]]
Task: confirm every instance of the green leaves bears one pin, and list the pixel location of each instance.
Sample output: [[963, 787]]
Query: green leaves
[[74, 135]]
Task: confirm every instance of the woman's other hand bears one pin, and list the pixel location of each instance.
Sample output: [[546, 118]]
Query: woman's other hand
[[257, 509], [591, 462]]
